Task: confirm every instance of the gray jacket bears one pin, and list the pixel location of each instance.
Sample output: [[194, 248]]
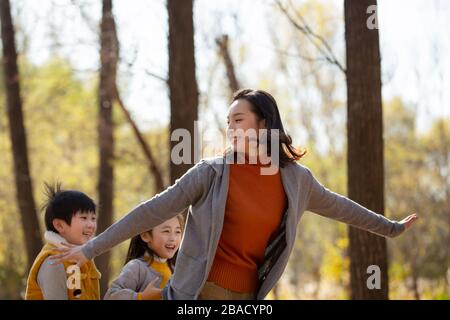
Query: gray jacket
[[134, 278], [203, 189]]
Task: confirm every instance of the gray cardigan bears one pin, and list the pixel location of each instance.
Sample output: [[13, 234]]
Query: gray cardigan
[[134, 278], [203, 189]]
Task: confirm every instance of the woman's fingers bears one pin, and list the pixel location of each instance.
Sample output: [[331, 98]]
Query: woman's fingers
[[55, 262], [67, 245], [153, 282], [61, 250], [69, 253], [409, 220], [59, 256]]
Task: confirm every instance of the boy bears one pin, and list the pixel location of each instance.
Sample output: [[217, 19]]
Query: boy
[[70, 219]]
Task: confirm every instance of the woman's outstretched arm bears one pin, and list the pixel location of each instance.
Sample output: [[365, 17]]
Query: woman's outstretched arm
[[335, 206], [145, 216]]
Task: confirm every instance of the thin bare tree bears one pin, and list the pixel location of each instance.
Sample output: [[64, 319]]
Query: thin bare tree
[[23, 181]]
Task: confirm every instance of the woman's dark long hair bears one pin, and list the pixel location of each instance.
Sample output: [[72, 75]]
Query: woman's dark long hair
[[265, 107], [139, 247]]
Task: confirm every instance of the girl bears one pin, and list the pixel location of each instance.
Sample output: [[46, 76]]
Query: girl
[[242, 224], [150, 261]]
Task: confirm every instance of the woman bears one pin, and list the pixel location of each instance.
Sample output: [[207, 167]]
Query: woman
[[241, 224]]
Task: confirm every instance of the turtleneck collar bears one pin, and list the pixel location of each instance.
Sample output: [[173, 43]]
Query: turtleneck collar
[[156, 258]]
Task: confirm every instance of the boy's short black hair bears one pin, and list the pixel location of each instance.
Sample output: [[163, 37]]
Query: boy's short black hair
[[64, 204]]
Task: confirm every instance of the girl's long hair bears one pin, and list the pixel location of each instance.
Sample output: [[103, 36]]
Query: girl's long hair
[[265, 107], [139, 247]]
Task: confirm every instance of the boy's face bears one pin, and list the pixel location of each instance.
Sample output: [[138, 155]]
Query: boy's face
[[81, 229]]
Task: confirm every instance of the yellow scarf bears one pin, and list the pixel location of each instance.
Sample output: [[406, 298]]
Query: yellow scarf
[[160, 267]]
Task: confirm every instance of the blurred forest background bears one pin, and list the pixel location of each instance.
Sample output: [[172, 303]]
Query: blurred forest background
[[103, 82]]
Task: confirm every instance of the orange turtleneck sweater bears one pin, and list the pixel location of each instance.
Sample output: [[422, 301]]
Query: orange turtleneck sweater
[[253, 212]]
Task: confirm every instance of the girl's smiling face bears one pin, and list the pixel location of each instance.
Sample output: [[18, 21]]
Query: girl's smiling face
[[165, 238], [82, 227]]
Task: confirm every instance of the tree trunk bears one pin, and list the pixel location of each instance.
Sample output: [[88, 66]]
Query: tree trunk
[[415, 277], [222, 43], [24, 189], [182, 80], [365, 146], [318, 279], [109, 52]]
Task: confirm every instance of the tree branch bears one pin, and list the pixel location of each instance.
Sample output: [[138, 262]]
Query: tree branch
[[155, 171], [154, 75], [222, 43], [317, 40]]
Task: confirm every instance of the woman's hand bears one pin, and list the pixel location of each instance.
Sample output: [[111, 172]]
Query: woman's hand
[[409, 220], [70, 253], [151, 292]]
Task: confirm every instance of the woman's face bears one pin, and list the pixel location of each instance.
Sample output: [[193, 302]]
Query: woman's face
[[243, 126]]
